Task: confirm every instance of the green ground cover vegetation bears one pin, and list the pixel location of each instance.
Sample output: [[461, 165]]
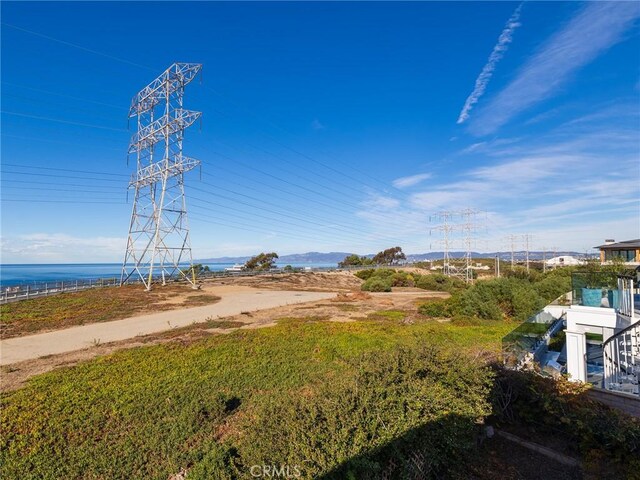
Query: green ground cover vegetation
[[148, 412]]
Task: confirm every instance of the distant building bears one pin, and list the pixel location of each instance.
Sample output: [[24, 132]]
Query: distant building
[[563, 261], [629, 251]]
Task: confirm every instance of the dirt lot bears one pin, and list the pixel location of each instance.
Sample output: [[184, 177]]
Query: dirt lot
[[344, 307]]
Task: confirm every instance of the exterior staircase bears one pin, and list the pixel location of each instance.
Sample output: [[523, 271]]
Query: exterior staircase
[[621, 352]]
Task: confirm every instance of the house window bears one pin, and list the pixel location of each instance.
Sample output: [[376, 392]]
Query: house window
[[625, 255]]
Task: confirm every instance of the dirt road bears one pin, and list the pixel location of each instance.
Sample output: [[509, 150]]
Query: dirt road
[[234, 302]]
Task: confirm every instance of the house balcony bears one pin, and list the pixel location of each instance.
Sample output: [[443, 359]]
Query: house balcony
[[603, 331], [595, 289]]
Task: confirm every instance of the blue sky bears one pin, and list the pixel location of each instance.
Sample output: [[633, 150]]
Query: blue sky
[[327, 126]]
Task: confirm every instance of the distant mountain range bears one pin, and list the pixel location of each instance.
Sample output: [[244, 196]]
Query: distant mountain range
[[297, 258], [335, 257]]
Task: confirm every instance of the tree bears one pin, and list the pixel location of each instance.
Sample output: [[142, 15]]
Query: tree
[[197, 269], [264, 261], [354, 261], [390, 256]]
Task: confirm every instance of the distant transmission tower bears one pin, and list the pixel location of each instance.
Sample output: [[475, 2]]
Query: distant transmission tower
[[450, 224], [468, 227], [158, 245], [446, 229]]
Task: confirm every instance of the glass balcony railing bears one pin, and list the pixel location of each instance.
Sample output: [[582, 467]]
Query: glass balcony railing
[[595, 289]]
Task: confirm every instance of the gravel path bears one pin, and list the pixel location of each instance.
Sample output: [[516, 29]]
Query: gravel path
[[18, 349]]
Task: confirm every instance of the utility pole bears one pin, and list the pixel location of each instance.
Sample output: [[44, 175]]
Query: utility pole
[[159, 231], [526, 238], [544, 259], [497, 266], [512, 238]]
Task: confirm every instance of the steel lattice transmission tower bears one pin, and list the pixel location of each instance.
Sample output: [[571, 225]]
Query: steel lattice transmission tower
[[158, 246], [456, 267], [446, 228]]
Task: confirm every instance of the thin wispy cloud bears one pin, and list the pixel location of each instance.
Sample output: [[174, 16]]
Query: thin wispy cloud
[[316, 125], [487, 71], [597, 27], [405, 182]]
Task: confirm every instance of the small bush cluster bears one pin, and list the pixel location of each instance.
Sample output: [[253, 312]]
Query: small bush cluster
[[439, 283], [501, 298], [397, 278], [436, 308], [376, 284]]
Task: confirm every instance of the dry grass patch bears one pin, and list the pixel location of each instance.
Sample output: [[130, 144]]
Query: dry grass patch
[[91, 306]]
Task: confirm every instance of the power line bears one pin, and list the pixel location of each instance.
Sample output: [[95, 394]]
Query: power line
[[59, 176], [64, 42], [49, 92], [57, 120], [57, 183], [64, 169], [253, 114], [65, 190], [58, 105], [328, 188], [48, 140], [274, 227], [29, 200]]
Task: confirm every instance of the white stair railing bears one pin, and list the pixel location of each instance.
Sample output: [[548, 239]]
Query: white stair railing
[[621, 352]]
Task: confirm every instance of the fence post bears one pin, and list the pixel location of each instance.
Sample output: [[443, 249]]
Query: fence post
[[27, 292], [62, 286]]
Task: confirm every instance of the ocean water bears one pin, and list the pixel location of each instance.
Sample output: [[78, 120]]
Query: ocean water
[[24, 274]]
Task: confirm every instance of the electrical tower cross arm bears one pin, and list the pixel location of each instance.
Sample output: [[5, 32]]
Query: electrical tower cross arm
[[164, 126], [156, 171], [173, 78]]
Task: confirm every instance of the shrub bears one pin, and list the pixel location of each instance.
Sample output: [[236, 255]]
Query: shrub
[[365, 274], [439, 283], [375, 284], [384, 272], [374, 420], [522, 273], [552, 286], [507, 297], [402, 279], [436, 308]]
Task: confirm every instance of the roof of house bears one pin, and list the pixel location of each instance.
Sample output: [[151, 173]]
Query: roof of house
[[564, 260], [621, 245]]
